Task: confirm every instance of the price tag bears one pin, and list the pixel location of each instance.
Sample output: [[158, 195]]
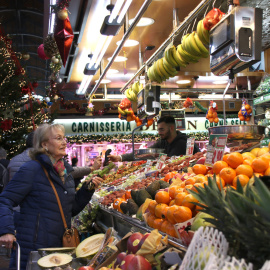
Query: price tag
[[190, 146], [129, 164], [147, 169], [215, 149], [162, 157], [160, 165]]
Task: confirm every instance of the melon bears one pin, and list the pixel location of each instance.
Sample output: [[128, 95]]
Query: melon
[[89, 246], [46, 251], [54, 259]]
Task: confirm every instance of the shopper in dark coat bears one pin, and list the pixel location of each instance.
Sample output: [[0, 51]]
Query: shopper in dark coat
[[40, 223], [171, 140], [3, 169]]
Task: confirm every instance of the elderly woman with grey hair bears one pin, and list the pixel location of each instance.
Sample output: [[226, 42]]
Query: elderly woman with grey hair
[[40, 223]]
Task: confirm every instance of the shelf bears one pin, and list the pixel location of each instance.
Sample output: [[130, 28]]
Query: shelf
[[261, 99]]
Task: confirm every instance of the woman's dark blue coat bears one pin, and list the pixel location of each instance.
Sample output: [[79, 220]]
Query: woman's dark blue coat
[[40, 223]]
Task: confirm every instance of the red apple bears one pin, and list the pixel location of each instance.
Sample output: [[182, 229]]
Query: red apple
[[133, 242], [126, 261], [86, 268], [139, 263], [142, 240], [120, 257]]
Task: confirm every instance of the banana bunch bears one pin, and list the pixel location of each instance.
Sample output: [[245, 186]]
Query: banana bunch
[[132, 92], [203, 33]]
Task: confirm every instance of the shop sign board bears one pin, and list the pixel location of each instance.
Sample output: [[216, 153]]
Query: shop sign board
[[215, 148], [115, 125]]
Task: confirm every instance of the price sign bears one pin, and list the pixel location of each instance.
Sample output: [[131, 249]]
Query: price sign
[[215, 149], [160, 165], [162, 157], [190, 146]]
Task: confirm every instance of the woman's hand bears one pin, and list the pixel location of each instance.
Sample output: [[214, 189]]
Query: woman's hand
[[7, 240], [96, 180], [97, 163]]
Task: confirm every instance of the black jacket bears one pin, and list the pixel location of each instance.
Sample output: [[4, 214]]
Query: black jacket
[[176, 148]]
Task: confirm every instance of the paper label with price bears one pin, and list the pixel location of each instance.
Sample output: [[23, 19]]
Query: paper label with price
[[190, 146], [215, 149]]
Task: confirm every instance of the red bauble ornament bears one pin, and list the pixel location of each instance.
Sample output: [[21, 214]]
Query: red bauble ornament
[[41, 52], [25, 90]]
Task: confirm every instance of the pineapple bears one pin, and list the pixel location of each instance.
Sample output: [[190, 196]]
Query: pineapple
[[242, 215]]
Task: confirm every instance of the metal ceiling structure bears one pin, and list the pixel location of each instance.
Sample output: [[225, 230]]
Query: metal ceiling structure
[[26, 22]]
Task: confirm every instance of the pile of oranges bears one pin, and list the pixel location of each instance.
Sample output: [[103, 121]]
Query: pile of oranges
[[245, 112]]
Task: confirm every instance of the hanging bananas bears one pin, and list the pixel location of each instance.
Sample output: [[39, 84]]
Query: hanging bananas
[[132, 92]]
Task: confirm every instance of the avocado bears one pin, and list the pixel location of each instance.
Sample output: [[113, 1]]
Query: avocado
[[124, 207], [142, 195], [152, 188], [134, 195], [132, 207], [163, 184]]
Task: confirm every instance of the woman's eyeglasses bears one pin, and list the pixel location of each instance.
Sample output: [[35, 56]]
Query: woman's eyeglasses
[[61, 139]]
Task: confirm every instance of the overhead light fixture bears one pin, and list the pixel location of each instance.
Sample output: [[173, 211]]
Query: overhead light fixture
[[220, 82], [217, 96], [104, 81], [112, 71], [118, 59], [128, 43], [183, 81], [84, 85], [112, 23], [144, 21]]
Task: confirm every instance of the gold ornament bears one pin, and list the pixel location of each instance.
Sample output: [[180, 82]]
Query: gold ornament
[[25, 56], [62, 14], [55, 60]]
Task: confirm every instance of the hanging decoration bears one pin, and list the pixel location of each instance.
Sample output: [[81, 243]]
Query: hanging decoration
[[50, 46], [41, 52], [63, 35], [6, 124], [245, 112], [188, 103], [211, 114]]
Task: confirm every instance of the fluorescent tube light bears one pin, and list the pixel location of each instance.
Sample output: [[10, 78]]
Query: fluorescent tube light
[[52, 18], [84, 85], [105, 47], [217, 96], [116, 9], [124, 11]]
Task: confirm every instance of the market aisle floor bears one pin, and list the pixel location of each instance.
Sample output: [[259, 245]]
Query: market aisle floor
[[4, 259]]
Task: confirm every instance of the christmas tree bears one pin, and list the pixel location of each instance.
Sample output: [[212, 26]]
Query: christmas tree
[[20, 110]]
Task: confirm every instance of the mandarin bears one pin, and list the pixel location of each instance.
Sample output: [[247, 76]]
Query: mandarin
[[225, 157], [170, 230], [244, 169], [170, 213], [255, 151], [199, 169], [190, 181], [248, 155], [220, 180], [164, 226], [172, 191], [188, 201], [200, 178], [227, 174], [157, 223], [218, 166], [162, 197], [151, 206], [182, 214], [172, 202], [243, 179], [234, 160], [197, 185], [247, 161], [259, 165], [263, 151], [159, 208], [179, 198], [150, 220], [267, 172]]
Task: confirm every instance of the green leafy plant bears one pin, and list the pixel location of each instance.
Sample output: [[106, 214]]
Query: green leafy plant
[[242, 215]]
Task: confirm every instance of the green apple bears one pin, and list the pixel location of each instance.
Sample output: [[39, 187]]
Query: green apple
[[199, 221]]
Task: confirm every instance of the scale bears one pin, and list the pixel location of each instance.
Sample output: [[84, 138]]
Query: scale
[[148, 106], [235, 42]]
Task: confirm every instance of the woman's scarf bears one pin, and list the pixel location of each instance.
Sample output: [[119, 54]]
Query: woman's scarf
[[60, 168]]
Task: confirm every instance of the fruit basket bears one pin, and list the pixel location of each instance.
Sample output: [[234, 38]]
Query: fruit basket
[[239, 132]]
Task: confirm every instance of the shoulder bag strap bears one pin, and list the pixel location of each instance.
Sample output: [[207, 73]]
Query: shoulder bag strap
[[57, 197]]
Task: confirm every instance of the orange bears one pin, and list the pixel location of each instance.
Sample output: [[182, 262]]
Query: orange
[[162, 197], [255, 151], [170, 230], [225, 157], [188, 201], [247, 161], [190, 181], [172, 202], [179, 198], [197, 185], [169, 176], [157, 223], [179, 190], [267, 172], [247, 106], [187, 188], [227, 174], [170, 213], [218, 180], [116, 204], [262, 151], [257, 175], [150, 220], [199, 169], [259, 165], [266, 157], [172, 191], [218, 166], [244, 169], [248, 155], [242, 178], [235, 159], [151, 206], [200, 178], [182, 214], [164, 225], [159, 208]]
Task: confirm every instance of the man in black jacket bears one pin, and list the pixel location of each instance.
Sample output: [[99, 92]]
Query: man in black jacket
[[173, 141]]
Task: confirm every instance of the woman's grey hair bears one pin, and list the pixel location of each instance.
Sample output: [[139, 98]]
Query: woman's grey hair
[[41, 135]]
